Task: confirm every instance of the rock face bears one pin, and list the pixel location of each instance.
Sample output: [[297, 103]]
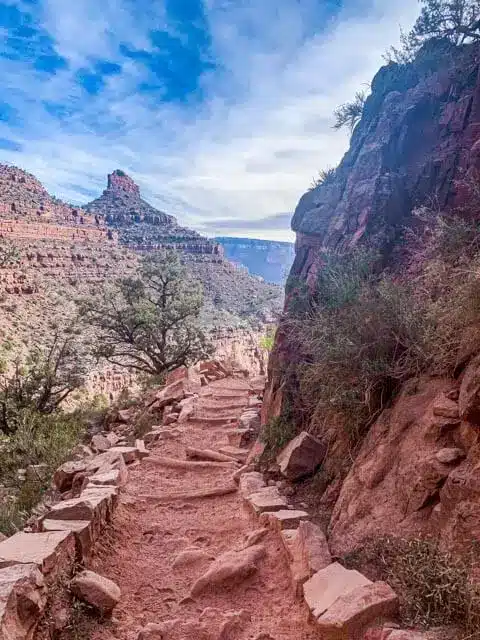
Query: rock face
[[141, 227], [419, 137]]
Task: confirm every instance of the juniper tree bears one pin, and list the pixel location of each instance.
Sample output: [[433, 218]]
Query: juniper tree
[[150, 323]]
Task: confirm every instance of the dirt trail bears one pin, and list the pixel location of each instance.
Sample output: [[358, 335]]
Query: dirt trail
[[149, 536]]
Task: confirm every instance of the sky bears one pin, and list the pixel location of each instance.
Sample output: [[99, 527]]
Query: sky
[[221, 110]]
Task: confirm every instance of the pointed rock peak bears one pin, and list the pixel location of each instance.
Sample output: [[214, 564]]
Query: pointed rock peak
[[120, 181]]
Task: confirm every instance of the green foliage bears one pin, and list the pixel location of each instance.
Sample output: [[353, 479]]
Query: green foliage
[[350, 113], [276, 434], [435, 587], [150, 323], [44, 379], [325, 177], [38, 440], [362, 334], [457, 21], [268, 340], [9, 254]]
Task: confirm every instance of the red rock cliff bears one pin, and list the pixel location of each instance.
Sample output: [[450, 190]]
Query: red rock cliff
[[418, 140]]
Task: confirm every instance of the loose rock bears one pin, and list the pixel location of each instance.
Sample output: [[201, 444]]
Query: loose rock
[[96, 590]]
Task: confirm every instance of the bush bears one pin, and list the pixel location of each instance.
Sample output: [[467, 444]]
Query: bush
[[38, 439], [325, 176], [435, 588], [276, 434], [349, 114], [363, 333]]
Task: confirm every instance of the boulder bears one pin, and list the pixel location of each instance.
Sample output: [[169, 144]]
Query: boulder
[[187, 407], [313, 547], [353, 612], [171, 393], [52, 550], [284, 518], [469, 398], [250, 483], [100, 443], [234, 452], [129, 454], [450, 455], [445, 407], [125, 415], [191, 556], [301, 456], [325, 586], [108, 478], [229, 568], [99, 592], [267, 499], [22, 601], [141, 449], [64, 475], [81, 529]]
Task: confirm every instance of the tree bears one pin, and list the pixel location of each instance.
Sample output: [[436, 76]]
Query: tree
[[350, 113], [325, 176], [455, 20], [9, 254], [150, 323], [43, 380]]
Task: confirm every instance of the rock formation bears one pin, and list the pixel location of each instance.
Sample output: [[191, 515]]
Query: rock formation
[[418, 141]]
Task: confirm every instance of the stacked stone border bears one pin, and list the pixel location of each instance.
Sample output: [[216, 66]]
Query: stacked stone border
[[56, 547]]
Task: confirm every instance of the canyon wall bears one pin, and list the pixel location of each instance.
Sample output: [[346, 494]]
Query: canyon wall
[[418, 143]]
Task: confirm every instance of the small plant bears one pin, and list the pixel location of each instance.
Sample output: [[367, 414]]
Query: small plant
[[435, 588], [349, 114], [276, 434], [268, 340], [325, 177]]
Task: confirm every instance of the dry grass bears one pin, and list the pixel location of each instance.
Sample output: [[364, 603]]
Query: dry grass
[[364, 332], [435, 587]]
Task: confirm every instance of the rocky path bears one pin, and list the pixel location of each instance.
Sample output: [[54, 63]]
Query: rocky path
[[165, 538]]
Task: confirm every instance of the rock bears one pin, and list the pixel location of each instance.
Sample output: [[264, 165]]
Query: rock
[[96, 590], [125, 415], [170, 394], [109, 478], [255, 537], [445, 408], [64, 475], [301, 456], [469, 398], [266, 499], [100, 443], [81, 529], [80, 452], [247, 468], [284, 519], [250, 483], [129, 454], [48, 550], [22, 601], [94, 507], [313, 547], [157, 631], [187, 408], [230, 568], [112, 438], [141, 450], [352, 612], [234, 452], [325, 586], [450, 455], [389, 633], [190, 556], [171, 419]]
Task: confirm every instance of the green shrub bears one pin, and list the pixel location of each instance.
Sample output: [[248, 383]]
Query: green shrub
[[435, 587], [276, 434], [363, 332], [325, 176]]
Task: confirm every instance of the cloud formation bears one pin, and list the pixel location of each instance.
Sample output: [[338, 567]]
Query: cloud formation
[[222, 112]]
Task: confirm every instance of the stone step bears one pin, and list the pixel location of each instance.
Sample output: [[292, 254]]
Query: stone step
[[213, 422]]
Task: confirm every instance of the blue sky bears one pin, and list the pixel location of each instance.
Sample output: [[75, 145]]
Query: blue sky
[[220, 109]]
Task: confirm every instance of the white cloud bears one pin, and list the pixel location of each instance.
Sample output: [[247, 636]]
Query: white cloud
[[248, 152]]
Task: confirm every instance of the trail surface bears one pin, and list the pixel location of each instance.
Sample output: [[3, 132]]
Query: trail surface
[[147, 556]]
